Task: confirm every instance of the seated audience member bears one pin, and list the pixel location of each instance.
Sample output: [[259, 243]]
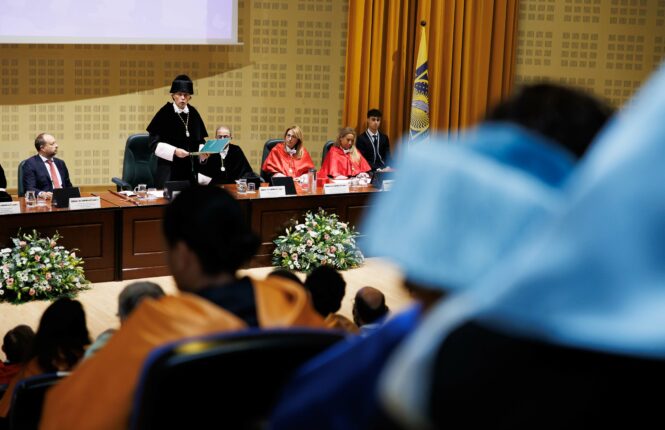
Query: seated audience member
[[478, 208], [207, 241], [58, 345], [289, 158], [570, 329], [566, 115], [343, 160], [369, 308], [128, 300], [490, 191], [17, 346], [327, 288], [286, 274], [227, 166], [43, 172], [374, 145]]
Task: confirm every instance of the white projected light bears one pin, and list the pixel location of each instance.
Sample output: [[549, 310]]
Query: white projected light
[[193, 22]]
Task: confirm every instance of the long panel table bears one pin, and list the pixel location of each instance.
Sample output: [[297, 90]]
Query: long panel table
[[123, 239]]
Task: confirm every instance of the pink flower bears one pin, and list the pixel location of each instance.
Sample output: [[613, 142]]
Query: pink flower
[[32, 291], [285, 254], [37, 258], [326, 237], [310, 242], [22, 243], [48, 276], [52, 244], [332, 249], [10, 282], [48, 288], [294, 257]]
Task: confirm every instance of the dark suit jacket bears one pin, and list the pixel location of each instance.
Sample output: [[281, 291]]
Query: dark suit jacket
[[36, 176], [3, 178], [376, 160]]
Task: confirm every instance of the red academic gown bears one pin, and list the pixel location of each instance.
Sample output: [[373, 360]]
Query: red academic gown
[[99, 393], [279, 161], [337, 163]]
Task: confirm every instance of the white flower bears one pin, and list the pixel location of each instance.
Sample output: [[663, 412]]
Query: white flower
[[2, 292], [5, 251]]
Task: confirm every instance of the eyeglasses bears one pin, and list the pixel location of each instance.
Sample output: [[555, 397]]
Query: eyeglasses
[[223, 136]]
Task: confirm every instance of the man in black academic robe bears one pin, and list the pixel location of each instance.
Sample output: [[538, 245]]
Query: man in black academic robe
[[176, 130]]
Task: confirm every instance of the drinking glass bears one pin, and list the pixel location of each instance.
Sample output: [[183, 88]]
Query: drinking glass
[[30, 199], [42, 199], [251, 187], [304, 182], [242, 186], [141, 191], [152, 193]]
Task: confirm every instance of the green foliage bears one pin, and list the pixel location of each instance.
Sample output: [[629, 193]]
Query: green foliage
[[321, 240], [37, 268]]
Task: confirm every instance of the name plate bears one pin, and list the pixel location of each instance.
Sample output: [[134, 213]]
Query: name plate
[[84, 203], [335, 188], [388, 184], [7, 208], [277, 191]]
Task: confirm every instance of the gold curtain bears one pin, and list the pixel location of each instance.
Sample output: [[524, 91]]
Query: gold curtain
[[471, 49]]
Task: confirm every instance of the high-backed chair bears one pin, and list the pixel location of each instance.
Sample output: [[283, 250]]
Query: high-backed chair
[[139, 165], [229, 380], [25, 411], [326, 148], [21, 188], [267, 147]]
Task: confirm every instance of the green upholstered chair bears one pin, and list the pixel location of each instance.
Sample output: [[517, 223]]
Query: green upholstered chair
[[139, 165], [267, 147]]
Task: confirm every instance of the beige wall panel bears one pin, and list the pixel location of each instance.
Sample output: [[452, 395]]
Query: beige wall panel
[[288, 70], [608, 47]]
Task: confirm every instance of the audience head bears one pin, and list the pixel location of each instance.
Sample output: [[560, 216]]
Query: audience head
[[133, 294], [46, 145], [182, 89], [374, 119], [207, 235], [223, 132], [17, 343], [62, 336], [293, 139], [369, 306], [568, 116], [479, 204], [286, 274], [327, 288]]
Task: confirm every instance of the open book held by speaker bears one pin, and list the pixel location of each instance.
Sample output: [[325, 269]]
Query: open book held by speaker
[[212, 146]]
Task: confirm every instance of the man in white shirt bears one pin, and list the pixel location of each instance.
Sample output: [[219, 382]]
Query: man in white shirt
[[374, 145]]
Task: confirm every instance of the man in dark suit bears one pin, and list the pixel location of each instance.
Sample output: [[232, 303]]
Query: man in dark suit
[[43, 172], [374, 145]]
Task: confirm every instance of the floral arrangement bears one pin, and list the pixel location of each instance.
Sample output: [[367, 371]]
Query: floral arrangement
[[322, 240], [37, 268]]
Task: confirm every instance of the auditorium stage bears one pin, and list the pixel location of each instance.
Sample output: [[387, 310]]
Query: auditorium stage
[[100, 302]]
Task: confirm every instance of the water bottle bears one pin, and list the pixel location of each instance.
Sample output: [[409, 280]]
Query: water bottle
[[311, 177]]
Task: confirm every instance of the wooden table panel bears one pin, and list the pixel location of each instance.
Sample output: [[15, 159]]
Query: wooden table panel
[[92, 231]]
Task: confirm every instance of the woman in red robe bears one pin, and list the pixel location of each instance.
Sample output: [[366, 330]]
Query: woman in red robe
[[344, 160], [289, 158]]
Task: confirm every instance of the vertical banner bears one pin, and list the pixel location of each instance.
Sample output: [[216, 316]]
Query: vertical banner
[[419, 124]]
